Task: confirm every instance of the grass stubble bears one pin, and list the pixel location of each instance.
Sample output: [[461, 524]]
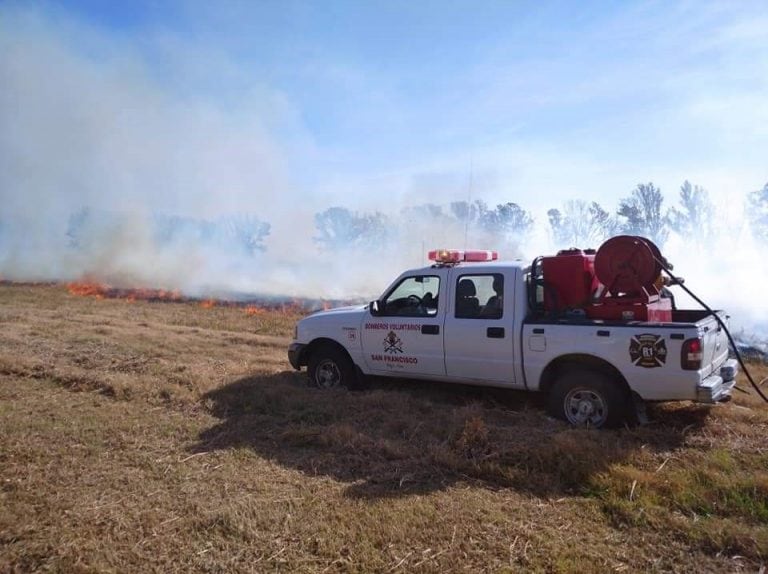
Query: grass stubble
[[167, 437]]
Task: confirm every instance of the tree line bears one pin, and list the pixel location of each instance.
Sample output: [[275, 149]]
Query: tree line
[[578, 223], [242, 233]]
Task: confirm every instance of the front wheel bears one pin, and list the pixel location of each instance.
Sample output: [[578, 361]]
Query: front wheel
[[588, 399], [330, 368]]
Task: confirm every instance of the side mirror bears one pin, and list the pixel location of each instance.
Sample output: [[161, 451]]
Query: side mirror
[[374, 308]]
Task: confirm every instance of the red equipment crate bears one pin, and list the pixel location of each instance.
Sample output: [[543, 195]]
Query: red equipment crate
[[626, 309]]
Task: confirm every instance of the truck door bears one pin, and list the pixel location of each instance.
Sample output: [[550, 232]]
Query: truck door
[[406, 335], [479, 338]]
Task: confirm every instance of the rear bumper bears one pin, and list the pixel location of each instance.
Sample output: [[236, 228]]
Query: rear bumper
[[718, 387], [296, 355]]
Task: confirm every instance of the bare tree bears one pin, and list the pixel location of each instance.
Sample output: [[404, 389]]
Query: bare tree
[[508, 218], [581, 224], [469, 212], [338, 227], [242, 232], [694, 218], [246, 231], [758, 213], [642, 214]]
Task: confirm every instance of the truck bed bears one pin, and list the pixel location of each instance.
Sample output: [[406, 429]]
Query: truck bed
[[647, 354], [681, 318]]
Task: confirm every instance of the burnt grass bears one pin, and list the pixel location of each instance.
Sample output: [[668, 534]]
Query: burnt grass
[[154, 436]]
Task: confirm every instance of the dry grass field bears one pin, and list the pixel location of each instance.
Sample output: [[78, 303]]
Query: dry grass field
[[139, 436]]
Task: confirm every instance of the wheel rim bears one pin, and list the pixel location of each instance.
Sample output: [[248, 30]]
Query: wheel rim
[[585, 407], [327, 374]]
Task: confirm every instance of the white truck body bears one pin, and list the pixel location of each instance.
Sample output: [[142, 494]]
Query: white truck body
[[422, 333]]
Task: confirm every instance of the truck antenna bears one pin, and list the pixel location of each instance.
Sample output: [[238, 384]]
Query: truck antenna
[[469, 201]]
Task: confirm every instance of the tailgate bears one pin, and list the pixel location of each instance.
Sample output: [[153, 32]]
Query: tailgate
[[714, 343]]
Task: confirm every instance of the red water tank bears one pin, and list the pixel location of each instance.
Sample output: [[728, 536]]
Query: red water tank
[[569, 280]]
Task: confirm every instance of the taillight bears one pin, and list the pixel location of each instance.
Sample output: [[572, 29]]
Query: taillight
[[691, 355]]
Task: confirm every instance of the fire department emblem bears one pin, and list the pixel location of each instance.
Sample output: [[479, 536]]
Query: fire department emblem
[[393, 344], [648, 351]]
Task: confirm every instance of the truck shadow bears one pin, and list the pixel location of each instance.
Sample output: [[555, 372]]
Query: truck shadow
[[399, 438]]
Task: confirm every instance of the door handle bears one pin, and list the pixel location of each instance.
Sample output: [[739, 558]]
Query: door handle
[[495, 332], [430, 329]]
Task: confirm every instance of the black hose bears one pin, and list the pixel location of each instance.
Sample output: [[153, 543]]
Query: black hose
[[722, 324]]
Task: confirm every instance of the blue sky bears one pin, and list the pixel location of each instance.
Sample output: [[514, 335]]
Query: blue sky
[[373, 103]]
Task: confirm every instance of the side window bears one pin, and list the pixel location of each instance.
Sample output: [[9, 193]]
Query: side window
[[414, 297], [480, 296]]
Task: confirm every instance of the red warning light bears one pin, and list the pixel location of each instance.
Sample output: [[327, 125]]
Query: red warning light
[[457, 255]]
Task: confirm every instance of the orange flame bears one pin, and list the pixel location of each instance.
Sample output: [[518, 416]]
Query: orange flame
[[252, 310], [90, 288]]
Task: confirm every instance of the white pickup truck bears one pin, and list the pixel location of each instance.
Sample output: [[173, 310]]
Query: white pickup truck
[[477, 323]]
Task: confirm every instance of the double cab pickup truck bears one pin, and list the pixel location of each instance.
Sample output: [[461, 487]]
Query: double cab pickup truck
[[473, 320]]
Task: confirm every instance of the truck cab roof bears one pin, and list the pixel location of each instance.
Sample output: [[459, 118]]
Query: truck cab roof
[[470, 266]]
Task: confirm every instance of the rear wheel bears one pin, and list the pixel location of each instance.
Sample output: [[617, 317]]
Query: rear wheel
[[330, 368], [588, 399]]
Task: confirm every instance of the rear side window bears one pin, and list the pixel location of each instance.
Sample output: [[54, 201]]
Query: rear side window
[[480, 296]]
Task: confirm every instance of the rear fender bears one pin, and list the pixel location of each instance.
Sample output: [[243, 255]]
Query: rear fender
[[559, 365]]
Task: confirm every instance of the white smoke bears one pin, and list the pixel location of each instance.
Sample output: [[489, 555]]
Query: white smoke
[[86, 124], [727, 271]]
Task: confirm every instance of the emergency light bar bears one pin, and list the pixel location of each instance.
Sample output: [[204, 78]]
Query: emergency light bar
[[457, 255]]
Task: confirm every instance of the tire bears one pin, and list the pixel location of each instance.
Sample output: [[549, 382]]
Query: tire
[[330, 368], [588, 399]]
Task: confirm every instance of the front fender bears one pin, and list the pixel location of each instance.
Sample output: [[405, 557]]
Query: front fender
[[297, 355]]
